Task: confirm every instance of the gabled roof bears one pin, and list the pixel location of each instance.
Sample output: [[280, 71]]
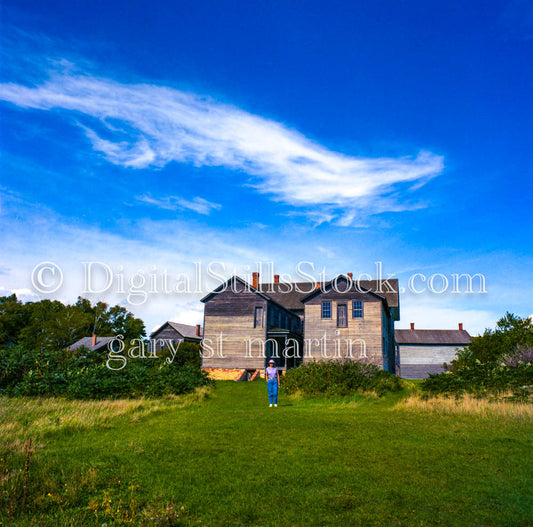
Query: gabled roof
[[185, 330], [390, 292], [376, 288], [87, 342], [292, 295], [259, 291], [450, 337], [226, 285]]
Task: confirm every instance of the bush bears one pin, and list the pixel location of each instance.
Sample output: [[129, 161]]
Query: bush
[[335, 377], [484, 379], [78, 376]]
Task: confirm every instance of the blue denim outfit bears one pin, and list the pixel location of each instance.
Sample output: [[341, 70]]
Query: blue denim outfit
[[272, 385]]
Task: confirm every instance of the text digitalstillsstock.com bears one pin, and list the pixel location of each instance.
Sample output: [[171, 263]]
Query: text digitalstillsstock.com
[[97, 278]]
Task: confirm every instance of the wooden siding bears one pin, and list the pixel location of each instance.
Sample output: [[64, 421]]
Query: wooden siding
[[368, 329], [167, 333], [419, 371], [427, 354], [231, 314]]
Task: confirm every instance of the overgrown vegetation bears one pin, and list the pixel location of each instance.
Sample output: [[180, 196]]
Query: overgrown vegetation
[[38, 417], [495, 363], [81, 374], [469, 405], [29, 487], [35, 359], [336, 377]]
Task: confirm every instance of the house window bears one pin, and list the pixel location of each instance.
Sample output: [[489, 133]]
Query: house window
[[326, 309], [258, 317], [357, 309], [342, 316]]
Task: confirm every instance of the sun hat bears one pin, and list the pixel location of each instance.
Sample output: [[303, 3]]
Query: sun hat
[[271, 361]]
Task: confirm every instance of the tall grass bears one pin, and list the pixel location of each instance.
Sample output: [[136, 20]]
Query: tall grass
[[22, 418], [28, 485], [469, 405]]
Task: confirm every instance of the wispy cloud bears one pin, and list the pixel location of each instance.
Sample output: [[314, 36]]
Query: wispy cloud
[[143, 125], [197, 204]]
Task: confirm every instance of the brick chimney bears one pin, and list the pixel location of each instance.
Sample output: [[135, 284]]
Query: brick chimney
[[460, 326], [276, 278], [350, 276], [412, 326], [94, 340], [255, 280], [197, 330]]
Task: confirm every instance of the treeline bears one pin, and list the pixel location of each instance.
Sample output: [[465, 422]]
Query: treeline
[[52, 325], [499, 361], [35, 359]]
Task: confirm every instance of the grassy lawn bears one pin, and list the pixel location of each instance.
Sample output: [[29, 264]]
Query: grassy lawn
[[229, 459]]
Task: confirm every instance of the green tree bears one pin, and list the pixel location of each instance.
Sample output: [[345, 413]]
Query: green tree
[[14, 316], [510, 333], [50, 324], [118, 321]]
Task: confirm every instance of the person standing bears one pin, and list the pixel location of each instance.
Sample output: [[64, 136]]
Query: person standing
[[272, 378]]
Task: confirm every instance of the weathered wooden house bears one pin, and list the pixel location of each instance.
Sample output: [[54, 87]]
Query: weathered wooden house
[[424, 351], [173, 332], [247, 324]]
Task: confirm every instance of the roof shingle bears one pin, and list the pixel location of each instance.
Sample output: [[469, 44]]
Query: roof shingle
[[87, 342], [290, 294], [432, 336]]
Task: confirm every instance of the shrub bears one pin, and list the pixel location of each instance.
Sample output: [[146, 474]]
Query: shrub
[[78, 376], [335, 377], [483, 379]]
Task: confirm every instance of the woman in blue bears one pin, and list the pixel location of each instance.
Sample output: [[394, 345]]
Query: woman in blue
[[272, 377]]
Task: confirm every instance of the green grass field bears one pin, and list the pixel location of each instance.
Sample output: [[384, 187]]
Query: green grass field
[[229, 459]]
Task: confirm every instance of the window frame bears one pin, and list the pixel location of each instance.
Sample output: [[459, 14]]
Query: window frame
[[325, 303], [358, 309]]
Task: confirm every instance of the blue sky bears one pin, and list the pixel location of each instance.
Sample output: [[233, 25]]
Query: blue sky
[[155, 135]]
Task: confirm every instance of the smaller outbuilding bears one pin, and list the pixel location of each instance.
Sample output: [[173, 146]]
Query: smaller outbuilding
[[174, 332], [421, 352], [93, 343]]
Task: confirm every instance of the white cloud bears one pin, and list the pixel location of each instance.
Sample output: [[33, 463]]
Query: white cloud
[[197, 204], [143, 125]]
